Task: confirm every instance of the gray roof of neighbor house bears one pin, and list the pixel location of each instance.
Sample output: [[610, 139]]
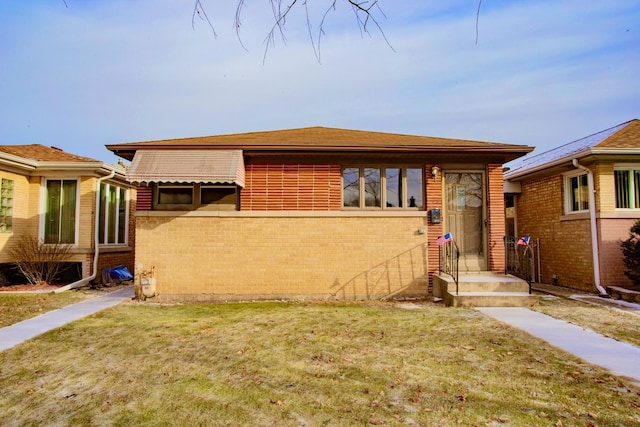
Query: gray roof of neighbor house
[[322, 139], [621, 139]]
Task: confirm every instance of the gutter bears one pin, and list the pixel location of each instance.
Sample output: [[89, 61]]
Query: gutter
[[96, 233], [595, 249]]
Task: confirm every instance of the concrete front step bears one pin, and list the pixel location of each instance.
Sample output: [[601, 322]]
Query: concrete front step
[[483, 289], [490, 299]]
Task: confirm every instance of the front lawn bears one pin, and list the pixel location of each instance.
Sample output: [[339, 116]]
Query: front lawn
[[295, 364]]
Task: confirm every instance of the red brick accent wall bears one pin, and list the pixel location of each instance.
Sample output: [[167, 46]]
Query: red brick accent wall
[[145, 198], [495, 207], [565, 242], [292, 187], [434, 200]]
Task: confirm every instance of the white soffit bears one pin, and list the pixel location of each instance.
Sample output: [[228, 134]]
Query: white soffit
[[187, 166]]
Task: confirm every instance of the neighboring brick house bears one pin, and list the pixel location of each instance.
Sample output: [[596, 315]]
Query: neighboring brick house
[[50, 195], [313, 212], [580, 200]]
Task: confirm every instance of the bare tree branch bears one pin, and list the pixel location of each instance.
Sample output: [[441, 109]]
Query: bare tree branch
[[478, 20], [199, 11]]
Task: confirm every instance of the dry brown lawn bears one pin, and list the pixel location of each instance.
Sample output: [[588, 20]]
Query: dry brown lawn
[[303, 364]]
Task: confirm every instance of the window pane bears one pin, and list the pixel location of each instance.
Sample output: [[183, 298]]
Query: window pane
[[584, 193], [218, 196], [175, 195], [68, 212], [52, 213], [111, 214], [351, 187], [414, 188], [6, 205], [621, 179], [102, 210], [372, 186], [394, 187], [122, 216]]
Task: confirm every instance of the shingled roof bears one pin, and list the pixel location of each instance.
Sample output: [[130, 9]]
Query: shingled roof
[[42, 153], [317, 139], [619, 139]]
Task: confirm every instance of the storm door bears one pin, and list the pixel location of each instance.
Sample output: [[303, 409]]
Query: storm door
[[465, 217]]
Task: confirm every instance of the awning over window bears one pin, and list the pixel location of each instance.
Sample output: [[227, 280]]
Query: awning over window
[[182, 166]]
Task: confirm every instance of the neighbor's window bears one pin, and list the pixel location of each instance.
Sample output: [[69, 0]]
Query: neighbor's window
[[113, 212], [382, 187], [196, 196], [6, 205], [577, 190], [60, 211], [627, 185]]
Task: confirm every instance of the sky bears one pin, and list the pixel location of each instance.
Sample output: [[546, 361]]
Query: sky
[[80, 74]]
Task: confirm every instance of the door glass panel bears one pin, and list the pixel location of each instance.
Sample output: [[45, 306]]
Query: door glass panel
[[464, 194]]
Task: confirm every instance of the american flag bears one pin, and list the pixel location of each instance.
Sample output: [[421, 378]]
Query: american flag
[[524, 241], [444, 239]]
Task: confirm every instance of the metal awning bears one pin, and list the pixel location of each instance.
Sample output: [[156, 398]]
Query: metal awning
[[187, 166]]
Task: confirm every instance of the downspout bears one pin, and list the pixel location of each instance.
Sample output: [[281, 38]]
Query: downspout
[[595, 247], [96, 233]]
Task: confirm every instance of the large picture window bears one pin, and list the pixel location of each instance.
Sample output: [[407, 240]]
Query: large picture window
[[577, 193], [6, 206], [113, 215], [60, 211], [627, 185], [383, 187]]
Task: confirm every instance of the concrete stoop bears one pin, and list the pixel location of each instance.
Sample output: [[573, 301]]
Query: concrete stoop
[[483, 289]]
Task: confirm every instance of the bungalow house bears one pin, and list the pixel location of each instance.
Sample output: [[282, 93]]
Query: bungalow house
[[314, 212], [50, 195], [579, 200]]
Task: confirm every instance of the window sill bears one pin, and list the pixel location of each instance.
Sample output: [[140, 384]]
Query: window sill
[[115, 248], [575, 216], [388, 213]]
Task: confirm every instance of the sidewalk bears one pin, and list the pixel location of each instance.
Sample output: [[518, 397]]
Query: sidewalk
[[620, 358], [27, 329]]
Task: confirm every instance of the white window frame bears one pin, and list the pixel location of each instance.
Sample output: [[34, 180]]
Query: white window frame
[[43, 207], [568, 205], [104, 232], [630, 168]]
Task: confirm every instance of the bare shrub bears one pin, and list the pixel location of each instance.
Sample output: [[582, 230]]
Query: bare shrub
[[39, 262]]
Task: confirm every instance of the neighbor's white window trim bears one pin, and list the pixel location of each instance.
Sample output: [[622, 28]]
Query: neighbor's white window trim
[[566, 182]]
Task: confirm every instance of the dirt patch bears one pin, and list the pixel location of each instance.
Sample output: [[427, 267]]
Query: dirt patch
[[42, 287]]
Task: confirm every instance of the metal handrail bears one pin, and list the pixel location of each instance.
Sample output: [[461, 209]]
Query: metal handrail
[[449, 256], [519, 263]]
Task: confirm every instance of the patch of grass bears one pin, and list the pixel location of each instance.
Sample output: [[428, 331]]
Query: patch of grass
[[17, 307], [291, 364], [610, 322]]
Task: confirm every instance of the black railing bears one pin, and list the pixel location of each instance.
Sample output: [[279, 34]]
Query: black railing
[[519, 258], [449, 255]]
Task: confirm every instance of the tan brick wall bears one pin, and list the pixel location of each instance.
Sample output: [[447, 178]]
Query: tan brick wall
[[246, 256], [565, 245]]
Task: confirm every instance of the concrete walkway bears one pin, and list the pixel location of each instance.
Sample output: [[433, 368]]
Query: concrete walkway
[[619, 358], [19, 332]]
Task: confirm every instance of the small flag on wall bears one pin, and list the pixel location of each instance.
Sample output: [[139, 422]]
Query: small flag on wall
[[444, 239], [524, 241]]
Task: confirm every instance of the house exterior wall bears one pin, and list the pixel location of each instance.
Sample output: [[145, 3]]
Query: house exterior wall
[[292, 239], [338, 255], [565, 241], [22, 215]]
